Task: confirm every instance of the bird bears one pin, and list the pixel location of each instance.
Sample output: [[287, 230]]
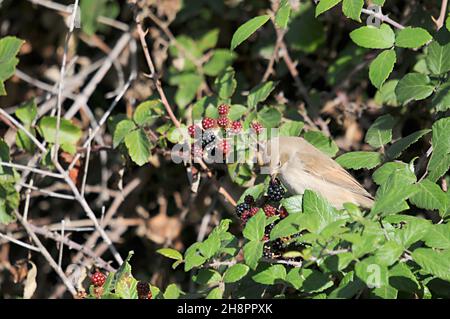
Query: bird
[[300, 166]]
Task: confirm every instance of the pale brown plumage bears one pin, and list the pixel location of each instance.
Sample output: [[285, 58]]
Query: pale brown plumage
[[300, 166]]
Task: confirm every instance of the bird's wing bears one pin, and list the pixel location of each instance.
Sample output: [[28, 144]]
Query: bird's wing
[[319, 164]]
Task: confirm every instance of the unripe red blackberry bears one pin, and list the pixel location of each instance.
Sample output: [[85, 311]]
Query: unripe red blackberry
[[208, 123], [197, 150], [194, 130], [223, 122], [224, 147], [254, 210], [143, 290], [257, 127], [236, 127], [98, 279], [275, 192], [269, 210], [223, 109]]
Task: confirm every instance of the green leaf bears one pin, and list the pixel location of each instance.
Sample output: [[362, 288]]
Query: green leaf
[[270, 275], [24, 142], [247, 29], [325, 5], [293, 204], [172, 292], [441, 100], [208, 40], [402, 278], [440, 158], [235, 273], [381, 67], [170, 253], [433, 262], [308, 280], [210, 246], [254, 228], [260, 93], [207, 277], [386, 94], [269, 117], [438, 58], [9, 48], [219, 61], [438, 236], [188, 85], [226, 84], [391, 196], [282, 15], [397, 148], [192, 258], [414, 230], [380, 132], [236, 112], [413, 87], [291, 128], [254, 191], [122, 129], [430, 196], [352, 9], [147, 112], [318, 212], [252, 253], [374, 38], [372, 273], [412, 38], [126, 287], [360, 159], [349, 286], [389, 253], [92, 9], [69, 134], [322, 142], [288, 226], [215, 293], [138, 146], [27, 112], [403, 170], [384, 292]]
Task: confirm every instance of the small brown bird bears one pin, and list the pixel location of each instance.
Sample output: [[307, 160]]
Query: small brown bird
[[299, 166]]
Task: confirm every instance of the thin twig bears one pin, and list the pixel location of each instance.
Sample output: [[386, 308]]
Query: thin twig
[[440, 21], [20, 243]]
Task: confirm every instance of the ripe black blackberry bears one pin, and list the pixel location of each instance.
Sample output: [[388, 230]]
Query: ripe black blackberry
[[208, 138], [277, 245], [143, 289], [269, 228], [275, 192], [267, 251], [249, 200], [241, 208]]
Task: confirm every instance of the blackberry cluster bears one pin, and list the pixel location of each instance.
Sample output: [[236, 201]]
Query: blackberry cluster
[[270, 205], [275, 192], [208, 138]]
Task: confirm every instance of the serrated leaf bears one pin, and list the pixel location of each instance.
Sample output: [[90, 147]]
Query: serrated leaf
[[147, 112], [352, 9], [288, 226], [123, 128], [403, 170], [270, 275], [386, 94], [282, 15], [9, 48], [220, 60], [291, 128], [247, 29], [69, 134], [412, 38], [440, 158], [430, 196], [322, 142], [254, 228], [438, 236], [293, 204], [397, 148], [172, 292], [269, 117], [372, 273], [433, 262], [413, 87], [226, 84], [438, 58], [27, 112], [318, 212], [441, 100], [402, 278], [260, 93], [138, 146], [170, 253], [325, 5], [207, 277], [254, 191], [374, 38], [253, 251], [215, 293], [380, 132], [359, 159], [388, 253], [235, 273], [308, 280], [381, 67]]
